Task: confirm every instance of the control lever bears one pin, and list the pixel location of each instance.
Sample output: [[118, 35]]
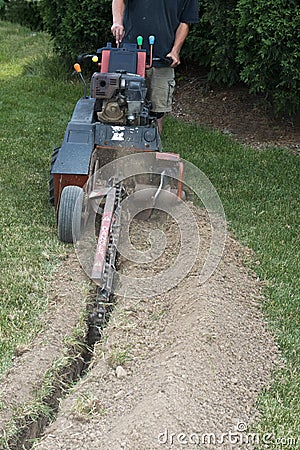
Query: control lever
[[77, 69], [84, 56], [151, 43], [139, 42]]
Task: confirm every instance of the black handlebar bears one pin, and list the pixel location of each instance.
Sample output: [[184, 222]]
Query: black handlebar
[[164, 61], [84, 56]]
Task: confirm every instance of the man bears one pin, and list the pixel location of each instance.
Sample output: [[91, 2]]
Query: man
[[169, 22]]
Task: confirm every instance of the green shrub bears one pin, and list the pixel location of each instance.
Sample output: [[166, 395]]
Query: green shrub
[[77, 26], [52, 12], [256, 41], [269, 52], [212, 42], [2, 9], [24, 12]]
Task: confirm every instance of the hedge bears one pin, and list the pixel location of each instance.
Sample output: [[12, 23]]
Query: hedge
[[24, 12], [254, 41], [212, 42], [268, 40], [77, 26]]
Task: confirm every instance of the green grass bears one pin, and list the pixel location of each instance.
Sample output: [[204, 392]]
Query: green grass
[[259, 191], [34, 112], [260, 194]]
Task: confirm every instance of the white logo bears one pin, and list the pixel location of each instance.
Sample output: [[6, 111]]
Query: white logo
[[118, 133]]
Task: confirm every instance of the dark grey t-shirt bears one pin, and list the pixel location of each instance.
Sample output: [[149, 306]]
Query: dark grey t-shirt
[[159, 18]]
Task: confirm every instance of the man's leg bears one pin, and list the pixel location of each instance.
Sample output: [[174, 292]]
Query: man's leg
[[160, 84], [160, 124]]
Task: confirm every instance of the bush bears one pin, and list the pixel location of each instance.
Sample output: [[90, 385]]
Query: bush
[[269, 52], [77, 26], [24, 12], [256, 41], [212, 42], [2, 9]]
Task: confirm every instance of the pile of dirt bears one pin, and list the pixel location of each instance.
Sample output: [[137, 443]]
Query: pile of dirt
[[173, 368]]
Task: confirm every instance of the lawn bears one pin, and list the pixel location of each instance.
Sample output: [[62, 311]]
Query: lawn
[[259, 191], [33, 115]]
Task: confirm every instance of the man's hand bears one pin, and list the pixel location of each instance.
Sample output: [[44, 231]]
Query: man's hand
[[175, 58], [180, 36], [118, 32]]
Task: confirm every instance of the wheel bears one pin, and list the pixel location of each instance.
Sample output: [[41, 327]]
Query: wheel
[[51, 180], [69, 214]]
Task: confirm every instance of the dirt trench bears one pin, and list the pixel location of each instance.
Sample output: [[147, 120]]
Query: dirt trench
[[177, 367]]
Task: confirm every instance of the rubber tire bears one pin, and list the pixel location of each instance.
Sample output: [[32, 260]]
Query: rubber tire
[[69, 214], [51, 179]]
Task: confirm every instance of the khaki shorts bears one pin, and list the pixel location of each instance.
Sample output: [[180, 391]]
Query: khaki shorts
[[160, 84]]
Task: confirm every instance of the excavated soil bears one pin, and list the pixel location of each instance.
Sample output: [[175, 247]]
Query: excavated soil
[[191, 361]]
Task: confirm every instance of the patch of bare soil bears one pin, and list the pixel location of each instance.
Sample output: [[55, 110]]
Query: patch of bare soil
[[174, 367], [234, 111]]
